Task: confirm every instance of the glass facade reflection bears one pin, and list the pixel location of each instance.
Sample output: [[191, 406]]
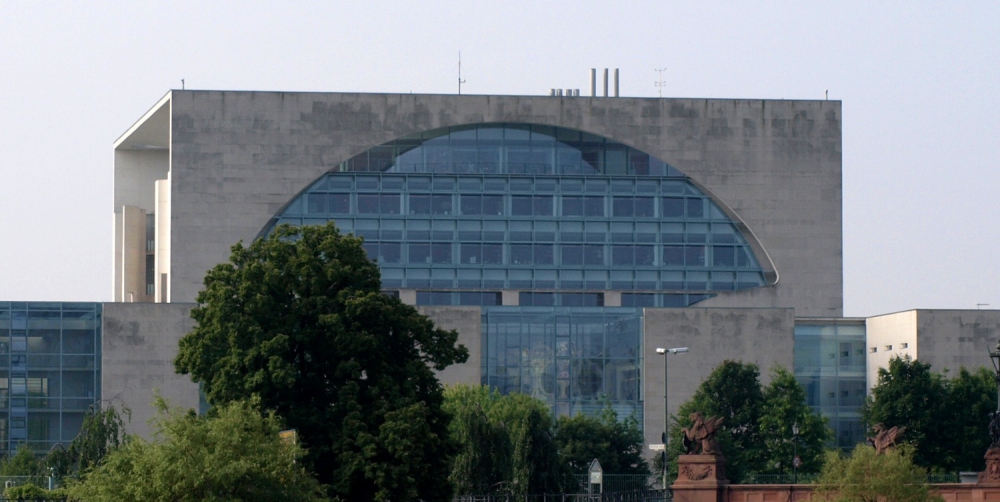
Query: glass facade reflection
[[49, 371], [570, 357], [527, 207], [830, 366]]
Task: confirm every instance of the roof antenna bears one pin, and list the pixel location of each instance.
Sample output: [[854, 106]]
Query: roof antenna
[[460, 81], [827, 93], [660, 83], [182, 84]]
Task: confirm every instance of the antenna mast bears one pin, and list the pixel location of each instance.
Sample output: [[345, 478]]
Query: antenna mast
[[660, 83], [460, 81]]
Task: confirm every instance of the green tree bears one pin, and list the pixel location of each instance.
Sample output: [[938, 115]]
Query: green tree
[[617, 445], [506, 443], [909, 395], [732, 391], [484, 461], [785, 405], [102, 431], [867, 477], [297, 319], [971, 399], [22, 463], [233, 454]]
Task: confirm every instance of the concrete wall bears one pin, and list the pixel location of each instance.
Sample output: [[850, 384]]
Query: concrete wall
[[138, 349], [468, 321], [890, 330], [946, 339], [950, 339], [761, 336], [238, 157]]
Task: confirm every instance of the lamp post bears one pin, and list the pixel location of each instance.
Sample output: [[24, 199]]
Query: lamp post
[[666, 413], [995, 358], [795, 453]]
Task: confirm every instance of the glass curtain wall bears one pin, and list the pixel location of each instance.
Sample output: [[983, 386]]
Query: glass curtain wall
[[573, 358], [830, 366], [49, 371]]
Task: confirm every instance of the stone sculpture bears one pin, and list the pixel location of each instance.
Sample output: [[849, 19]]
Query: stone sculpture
[[885, 438], [699, 439]]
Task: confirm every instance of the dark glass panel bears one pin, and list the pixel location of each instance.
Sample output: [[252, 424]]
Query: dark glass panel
[[339, 203], [673, 207], [492, 253]]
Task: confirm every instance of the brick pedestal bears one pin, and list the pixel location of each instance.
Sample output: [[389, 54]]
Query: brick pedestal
[[700, 478]]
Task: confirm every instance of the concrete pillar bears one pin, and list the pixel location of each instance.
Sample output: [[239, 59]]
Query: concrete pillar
[[133, 252], [162, 225]]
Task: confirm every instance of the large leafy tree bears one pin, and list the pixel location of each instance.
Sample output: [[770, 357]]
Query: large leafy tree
[[784, 406], [756, 433], [298, 321], [867, 477], [909, 394], [732, 391], [971, 399], [233, 454], [506, 443], [616, 444]]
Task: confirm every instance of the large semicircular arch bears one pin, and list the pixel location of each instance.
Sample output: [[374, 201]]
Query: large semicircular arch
[[407, 144]]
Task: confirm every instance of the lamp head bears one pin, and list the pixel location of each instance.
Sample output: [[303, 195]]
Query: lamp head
[[679, 350], [661, 351]]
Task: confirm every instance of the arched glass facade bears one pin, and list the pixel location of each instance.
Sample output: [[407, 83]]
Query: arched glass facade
[[562, 216]]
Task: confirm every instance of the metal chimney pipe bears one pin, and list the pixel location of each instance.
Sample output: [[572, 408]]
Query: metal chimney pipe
[[593, 82], [569, 92], [605, 82], [576, 92], [552, 92], [616, 82]]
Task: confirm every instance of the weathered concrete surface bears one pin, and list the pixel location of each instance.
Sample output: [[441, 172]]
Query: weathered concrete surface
[[764, 337], [236, 158], [468, 321], [138, 348], [946, 339]]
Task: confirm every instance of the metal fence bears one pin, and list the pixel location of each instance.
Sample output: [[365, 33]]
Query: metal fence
[[614, 488], [637, 496], [780, 479]]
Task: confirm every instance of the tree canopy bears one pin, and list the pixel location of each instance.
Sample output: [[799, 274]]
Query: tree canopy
[[616, 444], [297, 320], [755, 436], [867, 477], [233, 454], [506, 443], [946, 420]]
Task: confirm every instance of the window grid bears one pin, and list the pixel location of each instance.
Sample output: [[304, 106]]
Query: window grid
[[573, 358], [49, 371], [435, 232]]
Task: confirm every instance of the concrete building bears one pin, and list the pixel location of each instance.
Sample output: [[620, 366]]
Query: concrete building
[[565, 238]]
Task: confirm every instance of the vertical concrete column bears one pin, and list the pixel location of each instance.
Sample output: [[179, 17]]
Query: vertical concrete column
[[612, 298], [162, 225], [605, 82], [408, 296], [133, 272], [116, 258], [511, 297]]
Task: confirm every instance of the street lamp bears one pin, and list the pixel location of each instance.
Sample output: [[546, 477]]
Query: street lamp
[[666, 413], [795, 453], [995, 357]]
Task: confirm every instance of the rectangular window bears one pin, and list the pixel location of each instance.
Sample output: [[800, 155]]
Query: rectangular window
[[488, 205], [531, 205], [419, 253], [339, 203], [673, 207], [483, 298], [441, 253], [582, 299], [527, 299], [543, 254], [638, 300], [434, 298], [572, 255], [520, 254]]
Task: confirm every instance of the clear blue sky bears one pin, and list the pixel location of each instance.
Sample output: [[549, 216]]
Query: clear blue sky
[[919, 81]]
